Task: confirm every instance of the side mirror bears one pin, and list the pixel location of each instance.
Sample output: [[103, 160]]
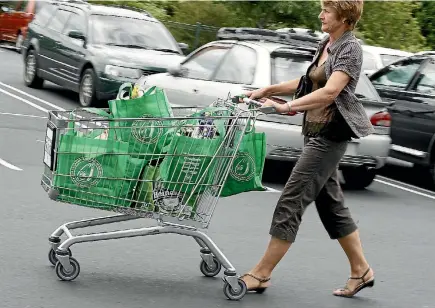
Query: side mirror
[[183, 46], [77, 35], [175, 71]]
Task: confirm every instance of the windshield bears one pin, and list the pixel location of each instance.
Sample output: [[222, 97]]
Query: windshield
[[388, 59], [132, 33], [285, 68]]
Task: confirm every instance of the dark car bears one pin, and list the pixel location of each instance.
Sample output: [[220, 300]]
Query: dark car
[[93, 49], [410, 85]]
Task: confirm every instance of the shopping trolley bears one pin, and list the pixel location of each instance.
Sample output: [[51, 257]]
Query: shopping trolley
[[181, 203]]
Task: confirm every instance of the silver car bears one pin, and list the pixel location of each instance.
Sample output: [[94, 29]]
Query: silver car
[[226, 66]]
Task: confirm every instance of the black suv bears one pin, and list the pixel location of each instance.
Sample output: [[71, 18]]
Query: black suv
[[410, 85], [93, 49]]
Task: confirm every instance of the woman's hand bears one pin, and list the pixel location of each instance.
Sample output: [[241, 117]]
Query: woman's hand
[[256, 94], [280, 108]]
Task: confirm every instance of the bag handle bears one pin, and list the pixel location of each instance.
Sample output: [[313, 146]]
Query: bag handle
[[124, 86]]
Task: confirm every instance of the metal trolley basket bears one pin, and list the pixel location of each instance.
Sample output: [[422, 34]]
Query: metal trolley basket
[[183, 211]]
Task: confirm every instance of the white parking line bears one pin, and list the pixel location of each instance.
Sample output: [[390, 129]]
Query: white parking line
[[24, 100], [22, 115], [406, 189], [10, 166], [270, 189], [33, 97]]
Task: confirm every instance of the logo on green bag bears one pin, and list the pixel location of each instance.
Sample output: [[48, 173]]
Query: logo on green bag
[[243, 168], [147, 131], [166, 200], [86, 173]]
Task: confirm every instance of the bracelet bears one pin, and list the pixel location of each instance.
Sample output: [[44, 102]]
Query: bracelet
[[289, 104]]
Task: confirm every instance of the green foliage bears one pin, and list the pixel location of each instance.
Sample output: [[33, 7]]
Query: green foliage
[[391, 24], [405, 25]]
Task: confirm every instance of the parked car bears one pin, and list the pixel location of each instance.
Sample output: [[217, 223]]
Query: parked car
[[375, 58], [93, 49], [410, 84], [14, 18], [247, 59]]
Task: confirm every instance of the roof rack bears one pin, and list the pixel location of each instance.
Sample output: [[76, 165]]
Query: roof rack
[[257, 34], [127, 7]]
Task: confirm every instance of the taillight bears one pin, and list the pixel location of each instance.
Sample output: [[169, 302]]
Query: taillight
[[382, 118]]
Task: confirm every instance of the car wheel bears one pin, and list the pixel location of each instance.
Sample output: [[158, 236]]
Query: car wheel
[[31, 78], [87, 90], [358, 178]]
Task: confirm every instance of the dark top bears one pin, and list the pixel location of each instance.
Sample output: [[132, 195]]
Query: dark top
[[327, 121], [345, 55]]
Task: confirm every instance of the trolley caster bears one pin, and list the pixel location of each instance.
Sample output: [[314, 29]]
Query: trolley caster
[[210, 271], [237, 294], [52, 255], [68, 275]]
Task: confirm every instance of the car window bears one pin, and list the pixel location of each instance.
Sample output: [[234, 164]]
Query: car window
[[285, 68], [369, 61], [75, 22], [58, 21], [204, 62], [131, 33], [426, 81], [233, 70], [398, 75]]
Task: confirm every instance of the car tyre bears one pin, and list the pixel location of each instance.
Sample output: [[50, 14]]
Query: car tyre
[[31, 78], [358, 178], [87, 89]]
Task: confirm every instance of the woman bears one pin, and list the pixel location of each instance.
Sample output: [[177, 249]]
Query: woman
[[332, 116]]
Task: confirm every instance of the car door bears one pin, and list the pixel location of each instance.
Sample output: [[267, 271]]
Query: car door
[[49, 48], [191, 86], [72, 51], [409, 91], [415, 120]]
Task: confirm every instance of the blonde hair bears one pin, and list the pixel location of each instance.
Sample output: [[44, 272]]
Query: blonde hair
[[351, 10]]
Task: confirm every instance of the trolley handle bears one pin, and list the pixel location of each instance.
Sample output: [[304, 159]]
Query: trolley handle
[[265, 110]]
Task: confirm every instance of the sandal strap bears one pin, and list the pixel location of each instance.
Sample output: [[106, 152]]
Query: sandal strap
[[362, 277], [261, 280]]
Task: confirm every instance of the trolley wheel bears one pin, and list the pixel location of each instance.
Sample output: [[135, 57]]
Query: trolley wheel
[[233, 295], [68, 276], [52, 255], [210, 272]]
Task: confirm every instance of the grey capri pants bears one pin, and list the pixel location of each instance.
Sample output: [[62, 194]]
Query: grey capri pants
[[314, 178]]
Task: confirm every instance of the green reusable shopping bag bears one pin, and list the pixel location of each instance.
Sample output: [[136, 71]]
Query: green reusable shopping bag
[[189, 159], [246, 170], [95, 173], [144, 137]]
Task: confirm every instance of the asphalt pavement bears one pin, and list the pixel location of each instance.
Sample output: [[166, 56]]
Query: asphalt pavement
[[395, 220]]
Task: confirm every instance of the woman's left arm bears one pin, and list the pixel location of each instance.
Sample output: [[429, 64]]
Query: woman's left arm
[[323, 96]]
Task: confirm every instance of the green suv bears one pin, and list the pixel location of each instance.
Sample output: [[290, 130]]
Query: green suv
[[93, 49]]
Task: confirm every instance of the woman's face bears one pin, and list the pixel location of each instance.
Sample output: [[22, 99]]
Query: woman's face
[[329, 18]]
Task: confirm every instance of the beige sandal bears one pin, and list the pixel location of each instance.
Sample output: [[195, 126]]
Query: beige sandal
[[364, 284]]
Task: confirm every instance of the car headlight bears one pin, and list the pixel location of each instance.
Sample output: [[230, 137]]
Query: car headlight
[[119, 71]]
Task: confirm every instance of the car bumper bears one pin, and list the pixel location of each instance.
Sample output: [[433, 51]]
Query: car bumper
[[108, 88], [370, 152]]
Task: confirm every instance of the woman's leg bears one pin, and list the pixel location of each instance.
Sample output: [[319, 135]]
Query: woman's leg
[[315, 165], [339, 224]]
